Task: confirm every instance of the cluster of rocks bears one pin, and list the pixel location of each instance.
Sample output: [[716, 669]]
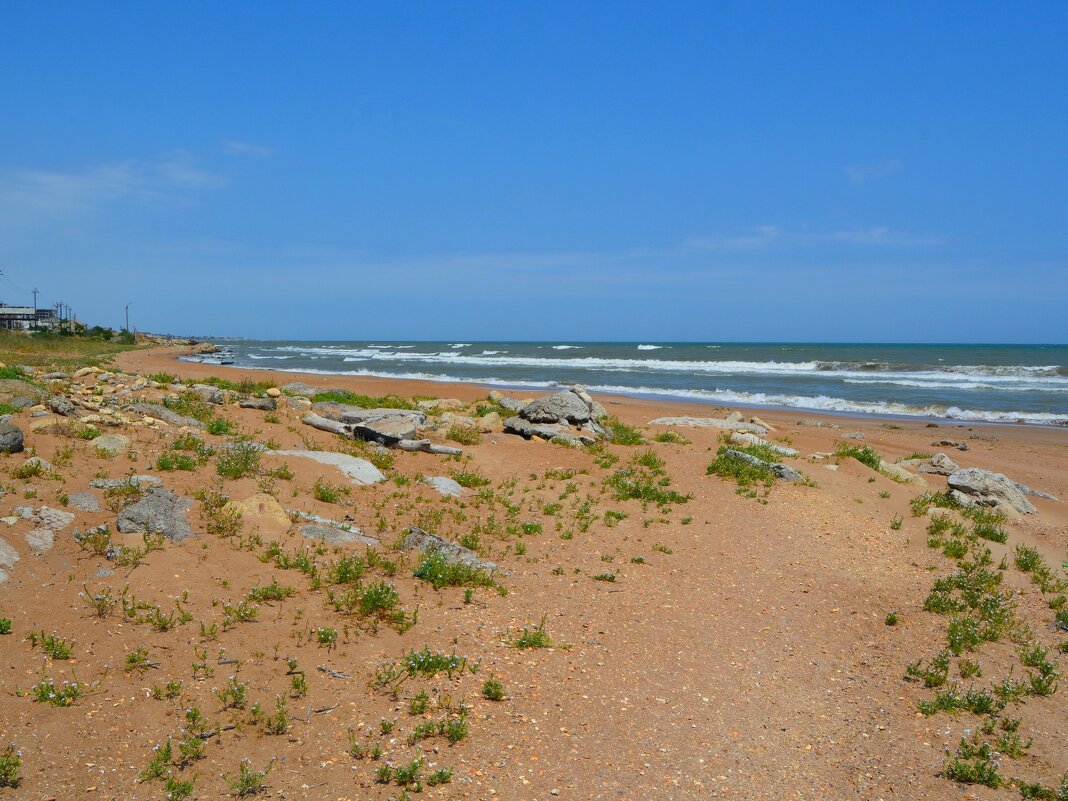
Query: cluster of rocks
[[571, 416]]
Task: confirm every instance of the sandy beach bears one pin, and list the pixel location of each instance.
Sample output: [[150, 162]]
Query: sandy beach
[[731, 644]]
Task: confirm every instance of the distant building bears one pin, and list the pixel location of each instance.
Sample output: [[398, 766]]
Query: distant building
[[26, 317]]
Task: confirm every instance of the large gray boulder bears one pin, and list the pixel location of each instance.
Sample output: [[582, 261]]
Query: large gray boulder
[[11, 439], [298, 388], [567, 406], [209, 394], [976, 487], [61, 405], [20, 394], [940, 465], [158, 512], [418, 540]]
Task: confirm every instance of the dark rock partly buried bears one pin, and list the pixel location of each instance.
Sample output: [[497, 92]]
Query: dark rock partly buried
[[418, 540], [20, 394], [546, 431], [11, 439], [263, 404], [158, 512], [61, 405]]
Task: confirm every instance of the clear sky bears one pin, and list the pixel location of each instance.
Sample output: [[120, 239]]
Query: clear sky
[[572, 170]]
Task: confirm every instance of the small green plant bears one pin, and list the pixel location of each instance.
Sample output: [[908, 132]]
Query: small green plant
[[671, 436], [891, 619], [234, 695], [533, 637], [239, 459], [178, 789], [10, 767], [160, 763], [465, 435], [55, 647], [249, 781], [326, 493], [896, 523], [441, 571], [326, 637], [493, 689], [5, 625], [864, 454], [620, 433], [975, 762]]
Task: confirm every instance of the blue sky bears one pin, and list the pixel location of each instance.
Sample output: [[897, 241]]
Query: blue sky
[[635, 171]]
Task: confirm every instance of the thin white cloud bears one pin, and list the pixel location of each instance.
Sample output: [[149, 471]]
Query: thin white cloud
[[862, 173], [238, 147], [29, 195]]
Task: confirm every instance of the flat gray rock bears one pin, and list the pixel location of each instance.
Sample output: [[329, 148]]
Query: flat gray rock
[[359, 470], [783, 471], [8, 557], [84, 502], [111, 444], [158, 512], [418, 540], [41, 540], [11, 438], [160, 412], [387, 430], [745, 438], [976, 487], [900, 474], [333, 535], [112, 483], [263, 404], [444, 485], [54, 519], [547, 431], [710, 422]]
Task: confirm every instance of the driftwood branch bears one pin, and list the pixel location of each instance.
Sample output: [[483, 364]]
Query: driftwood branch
[[326, 424]]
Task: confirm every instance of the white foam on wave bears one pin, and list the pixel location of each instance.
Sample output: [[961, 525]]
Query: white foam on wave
[[567, 347], [650, 347], [816, 403], [936, 383], [860, 371]]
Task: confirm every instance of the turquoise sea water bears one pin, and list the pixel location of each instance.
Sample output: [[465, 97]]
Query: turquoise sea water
[[996, 383]]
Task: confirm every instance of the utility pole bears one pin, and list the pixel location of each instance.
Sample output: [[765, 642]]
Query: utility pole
[[35, 303], [127, 318]]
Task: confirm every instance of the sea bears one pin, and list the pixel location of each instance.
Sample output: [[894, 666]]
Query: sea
[[978, 383]]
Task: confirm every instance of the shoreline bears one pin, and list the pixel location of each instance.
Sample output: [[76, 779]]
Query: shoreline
[[168, 359]]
